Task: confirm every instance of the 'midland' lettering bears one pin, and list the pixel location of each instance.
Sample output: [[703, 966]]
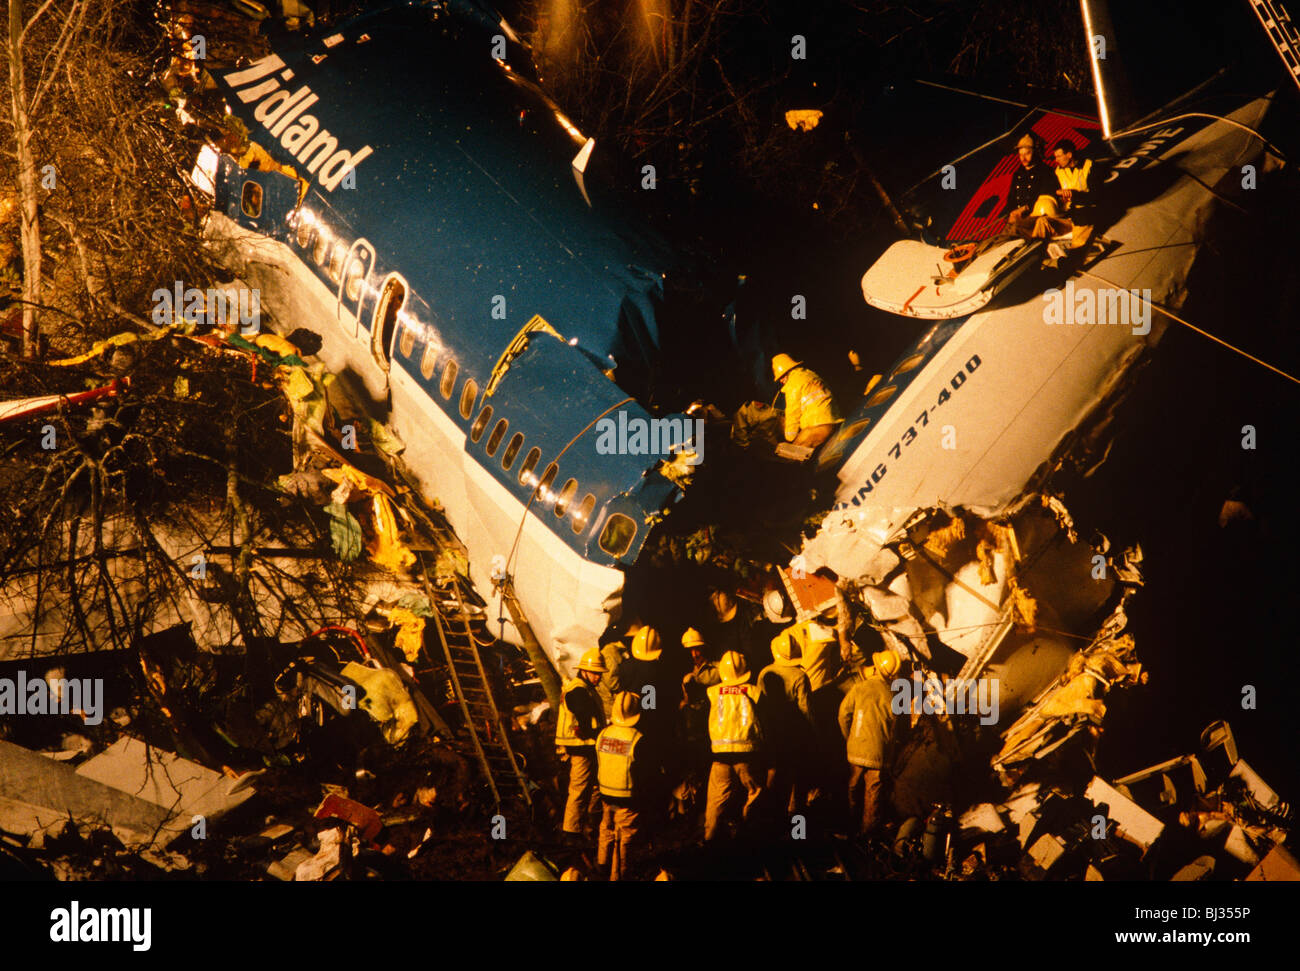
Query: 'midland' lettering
[[282, 113]]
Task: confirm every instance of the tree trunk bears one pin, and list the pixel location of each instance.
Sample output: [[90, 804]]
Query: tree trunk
[[541, 663], [31, 227]]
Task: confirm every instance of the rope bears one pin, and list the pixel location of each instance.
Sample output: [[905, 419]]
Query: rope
[[1204, 114], [1204, 333]]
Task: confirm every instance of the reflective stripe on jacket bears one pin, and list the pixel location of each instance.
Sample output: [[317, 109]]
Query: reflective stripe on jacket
[[572, 730], [808, 403], [615, 755], [733, 718]]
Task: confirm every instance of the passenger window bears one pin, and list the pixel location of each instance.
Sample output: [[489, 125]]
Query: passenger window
[[429, 359], [407, 339], [530, 463], [250, 200], [336, 262], [498, 433], [544, 487], [448, 379], [516, 443], [616, 538], [321, 249], [582, 515], [356, 277], [566, 496], [467, 398], [306, 231], [908, 363], [853, 428], [480, 423], [881, 396]]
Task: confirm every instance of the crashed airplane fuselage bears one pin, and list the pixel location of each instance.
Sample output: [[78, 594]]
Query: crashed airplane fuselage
[[982, 408], [437, 231]]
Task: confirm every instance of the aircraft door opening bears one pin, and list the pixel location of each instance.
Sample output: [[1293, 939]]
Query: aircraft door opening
[[358, 263], [383, 329]]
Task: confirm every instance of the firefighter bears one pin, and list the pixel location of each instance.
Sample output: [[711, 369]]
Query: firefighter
[[822, 657], [694, 722], [644, 670], [1077, 197], [615, 652], [579, 721], [810, 411], [735, 738], [1074, 191], [620, 777], [646, 674], [1032, 180], [733, 626], [786, 715], [867, 723]]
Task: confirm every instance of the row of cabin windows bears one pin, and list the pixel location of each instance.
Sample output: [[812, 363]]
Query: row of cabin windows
[[615, 539], [329, 256]]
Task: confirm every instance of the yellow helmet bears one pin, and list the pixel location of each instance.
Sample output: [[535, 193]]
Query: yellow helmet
[[692, 638], [887, 662], [627, 708], [645, 645], [1045, 205], [592, 661], [786, 649], [783, 364], [733, 668]]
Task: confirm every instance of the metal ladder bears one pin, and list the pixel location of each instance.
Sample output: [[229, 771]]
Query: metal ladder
[[1281, 33], [487, 732]]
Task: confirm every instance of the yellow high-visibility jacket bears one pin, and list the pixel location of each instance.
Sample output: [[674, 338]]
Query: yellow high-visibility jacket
[[1075, 179], [808, 402], [615, 758], [578, 729], [821, 652], [733, 718]]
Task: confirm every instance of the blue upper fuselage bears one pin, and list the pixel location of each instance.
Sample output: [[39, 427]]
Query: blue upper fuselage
[[469, 192]]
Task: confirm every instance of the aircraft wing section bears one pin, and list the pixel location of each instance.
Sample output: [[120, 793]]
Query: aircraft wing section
[[915, 279]]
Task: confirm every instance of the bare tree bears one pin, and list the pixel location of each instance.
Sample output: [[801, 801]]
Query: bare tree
[[25, 111], [647, 73]]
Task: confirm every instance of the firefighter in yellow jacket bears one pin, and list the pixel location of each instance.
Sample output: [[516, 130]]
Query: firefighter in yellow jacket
[[867, 723], [577, 724], [621, 782], [810, 411], [736, 739]]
